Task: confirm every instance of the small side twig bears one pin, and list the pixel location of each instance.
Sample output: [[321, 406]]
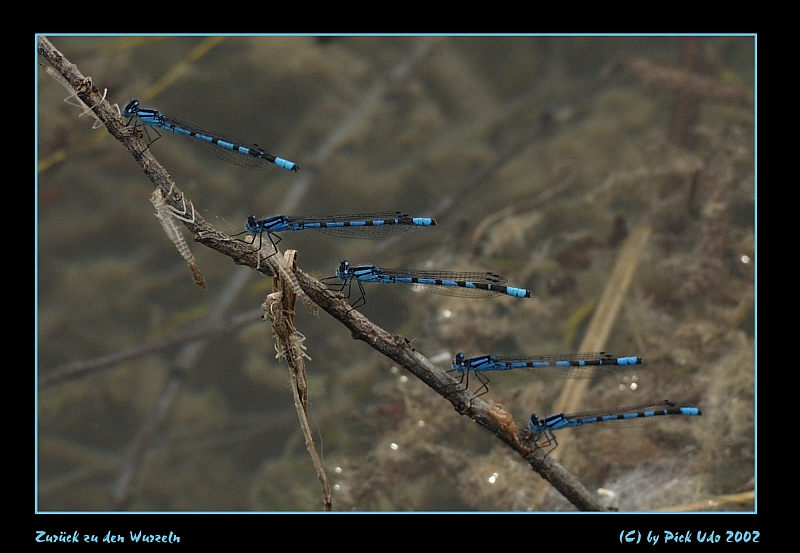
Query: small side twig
[[279, 308]]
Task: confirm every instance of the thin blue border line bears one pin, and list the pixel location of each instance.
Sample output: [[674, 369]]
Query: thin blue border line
[[409, 34], [36, 276], [755, 271]]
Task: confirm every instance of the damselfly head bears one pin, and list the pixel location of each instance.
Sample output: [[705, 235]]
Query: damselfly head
[[131, 108]]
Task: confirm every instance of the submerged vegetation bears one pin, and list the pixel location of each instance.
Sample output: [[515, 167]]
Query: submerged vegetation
[[541, 159]]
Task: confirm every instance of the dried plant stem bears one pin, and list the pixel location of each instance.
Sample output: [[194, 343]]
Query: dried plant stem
[[604, 318], [279, 308], [602, 322]]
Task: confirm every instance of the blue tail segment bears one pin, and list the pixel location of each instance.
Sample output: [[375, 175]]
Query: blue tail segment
[[542, 429], [248, 155], [566, 365], [362, 225], [442, 282]]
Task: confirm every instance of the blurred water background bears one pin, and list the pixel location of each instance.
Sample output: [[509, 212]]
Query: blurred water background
[[538, 156]]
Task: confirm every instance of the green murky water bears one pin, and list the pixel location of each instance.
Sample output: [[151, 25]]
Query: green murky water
[[398, 123]]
